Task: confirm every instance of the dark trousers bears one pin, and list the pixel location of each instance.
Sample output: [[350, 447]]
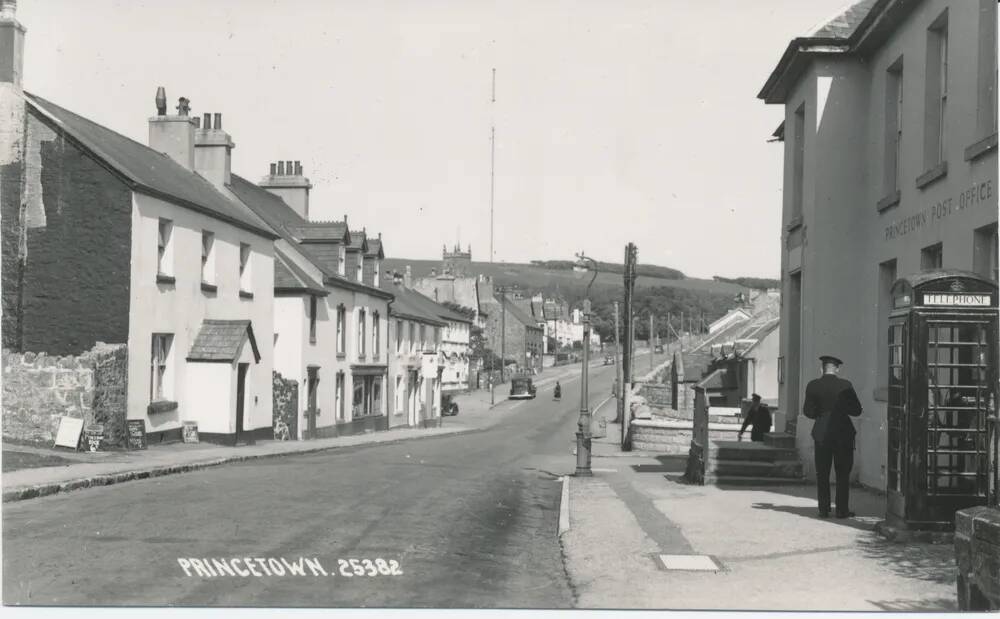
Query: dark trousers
[[841, 457]]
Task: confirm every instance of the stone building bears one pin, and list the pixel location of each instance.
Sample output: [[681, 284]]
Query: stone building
[[890, 170], [109, 240], [511, 330]]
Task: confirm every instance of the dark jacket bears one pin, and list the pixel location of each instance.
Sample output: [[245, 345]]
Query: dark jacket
[[760, 418], [831, 401]]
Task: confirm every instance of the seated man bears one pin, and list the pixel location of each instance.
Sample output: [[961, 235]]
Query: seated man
[[759, 416]]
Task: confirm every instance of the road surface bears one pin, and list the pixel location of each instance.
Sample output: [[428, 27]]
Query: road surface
[[465, 521]]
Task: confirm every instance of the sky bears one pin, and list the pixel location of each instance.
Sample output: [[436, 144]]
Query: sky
[[615, 121]]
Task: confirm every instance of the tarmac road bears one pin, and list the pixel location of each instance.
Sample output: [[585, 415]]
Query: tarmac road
[[469, 520]]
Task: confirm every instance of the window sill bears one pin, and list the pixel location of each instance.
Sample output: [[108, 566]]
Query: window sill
[[207, 287], [165, 279], [888, 202], [794, 223], [980, 148], [934, 174], [246, 295], [161, 406], [312, 340], [341, 355]]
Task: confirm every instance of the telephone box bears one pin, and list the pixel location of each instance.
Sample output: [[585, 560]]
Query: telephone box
[[941, 414]]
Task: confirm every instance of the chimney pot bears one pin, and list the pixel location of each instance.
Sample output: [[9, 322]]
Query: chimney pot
[[281, 168], [208, 121], [298, 168], [218, 120], [161, 101], [183, 106], [197, 122], [274, 169], [288, 168]]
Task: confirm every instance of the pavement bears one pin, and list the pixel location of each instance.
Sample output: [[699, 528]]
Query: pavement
[[773, 553]]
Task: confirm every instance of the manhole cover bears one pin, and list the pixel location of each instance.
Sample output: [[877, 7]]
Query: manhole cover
[[688, 563]]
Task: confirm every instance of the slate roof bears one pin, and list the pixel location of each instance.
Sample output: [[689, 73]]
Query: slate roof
[[518, 314], [288, 277], [407, 304], [696, 363], [149, 171], [220, 340], [359, 241], [314, 231], [284, 220], [845, 22], [718, 379], [433, 307], [839, 34], [375, 247]]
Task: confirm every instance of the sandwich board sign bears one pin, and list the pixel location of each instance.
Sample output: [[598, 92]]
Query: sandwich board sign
[[136, 436], [94, 434], [190, 432], [69, 432]]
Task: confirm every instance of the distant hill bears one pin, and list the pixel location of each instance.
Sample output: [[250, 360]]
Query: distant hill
[[664, 292], [555, 275]]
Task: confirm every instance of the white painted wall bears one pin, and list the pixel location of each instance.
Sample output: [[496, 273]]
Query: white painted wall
[[180, 308], [843, 182]]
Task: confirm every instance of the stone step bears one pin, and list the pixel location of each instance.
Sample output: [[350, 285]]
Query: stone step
[[763, 454], [732, 480], [755, 468], [779, 439], [661, 448]]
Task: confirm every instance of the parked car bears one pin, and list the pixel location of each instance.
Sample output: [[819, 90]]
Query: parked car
[[659, 348], [449, 407], [522, 389], [609, 359]]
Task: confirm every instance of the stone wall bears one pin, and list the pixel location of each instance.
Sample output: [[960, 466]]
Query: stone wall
[[285, 393], [66, 228], [38, 389], [977, 554], [657, 395]]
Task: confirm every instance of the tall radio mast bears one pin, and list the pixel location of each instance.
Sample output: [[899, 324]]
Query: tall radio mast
[[493, 99]]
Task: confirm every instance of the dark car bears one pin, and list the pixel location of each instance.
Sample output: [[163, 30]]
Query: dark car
[[609, 359], [449, 407], [521, 389]]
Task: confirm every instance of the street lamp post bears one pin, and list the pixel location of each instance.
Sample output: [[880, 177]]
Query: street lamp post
[[583, 436]]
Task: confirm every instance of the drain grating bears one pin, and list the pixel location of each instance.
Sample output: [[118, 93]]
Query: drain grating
[[688, 563]]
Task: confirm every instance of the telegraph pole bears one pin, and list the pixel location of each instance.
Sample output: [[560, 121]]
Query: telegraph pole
[[619, 395], [626, 383], [652, 346]]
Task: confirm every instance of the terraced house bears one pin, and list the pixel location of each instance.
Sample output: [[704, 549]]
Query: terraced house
[[331, 318], [109, 240]]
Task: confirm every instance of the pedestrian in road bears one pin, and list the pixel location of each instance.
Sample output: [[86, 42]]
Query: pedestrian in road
[[759, 417], [557, 393], [831, 402]]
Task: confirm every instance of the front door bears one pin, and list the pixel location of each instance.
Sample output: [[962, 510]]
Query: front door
[[312, 384], [241, 384]]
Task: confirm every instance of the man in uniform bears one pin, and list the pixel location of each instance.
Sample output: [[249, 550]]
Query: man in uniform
[[831, 401]]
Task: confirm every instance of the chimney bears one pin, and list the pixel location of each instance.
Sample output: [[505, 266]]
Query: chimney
[[287, 181], [11, 46], [173, 134], [408, 278], [213, 153]]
